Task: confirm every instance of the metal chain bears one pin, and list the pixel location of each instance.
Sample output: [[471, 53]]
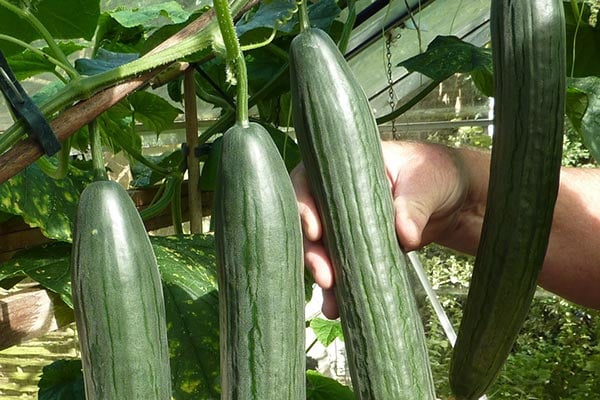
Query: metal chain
[[391, 94]]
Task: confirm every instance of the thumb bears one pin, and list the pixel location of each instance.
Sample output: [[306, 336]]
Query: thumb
[[411, 217]]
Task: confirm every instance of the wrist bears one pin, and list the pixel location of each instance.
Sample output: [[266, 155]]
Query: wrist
[[474, 167]]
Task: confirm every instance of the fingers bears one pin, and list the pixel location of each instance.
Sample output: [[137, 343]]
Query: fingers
[[318, 263], [428, 189], [316, 259], [309, 217], [329, 308]]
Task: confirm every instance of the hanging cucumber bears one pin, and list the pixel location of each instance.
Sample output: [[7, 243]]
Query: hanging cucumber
[[118, 299], [528, 44], [340, 147], [259, 256], [261, 285]]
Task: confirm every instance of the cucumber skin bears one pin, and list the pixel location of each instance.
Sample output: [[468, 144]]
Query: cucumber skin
[[261, 281], [118, 299], [340, 146], [524, 176]]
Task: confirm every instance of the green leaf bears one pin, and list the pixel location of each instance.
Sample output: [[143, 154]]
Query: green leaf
[[589, 124], [115, 37], [575, 106], [266, 17], [62, 380], [288, 148], [319, 387], [326, 331], [152, 15], [27, 64], [278, 15], [447, 55], [104, 60], [48, 265], [64, 19], [43, 202], [188, 268], [153, 111]]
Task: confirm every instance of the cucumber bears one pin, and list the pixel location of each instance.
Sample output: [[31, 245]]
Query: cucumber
[[528, 45], [260, 270], [118, 299], [340, 147]]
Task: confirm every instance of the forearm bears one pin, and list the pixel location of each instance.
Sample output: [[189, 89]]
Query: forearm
[[572, 265]]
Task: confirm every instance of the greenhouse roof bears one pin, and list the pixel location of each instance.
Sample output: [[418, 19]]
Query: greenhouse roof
[[384, 34]]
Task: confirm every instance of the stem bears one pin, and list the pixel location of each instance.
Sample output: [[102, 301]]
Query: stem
[[97, 154], [66, 67], [303, 16], [41, 29], [176, 206], [59, 171], [163, 201], [311, 346], [234, 57], [579, 15], [348, 26], [410, 103], [193, 166]]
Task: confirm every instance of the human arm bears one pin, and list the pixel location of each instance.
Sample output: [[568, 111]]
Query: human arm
[[439, 196]]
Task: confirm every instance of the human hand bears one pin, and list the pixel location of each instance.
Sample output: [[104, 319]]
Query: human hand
[[429, 187]]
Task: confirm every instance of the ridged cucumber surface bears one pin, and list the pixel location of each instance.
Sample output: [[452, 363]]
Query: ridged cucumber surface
[[528, 45], [118, 299], [261, 281], [341, 150]]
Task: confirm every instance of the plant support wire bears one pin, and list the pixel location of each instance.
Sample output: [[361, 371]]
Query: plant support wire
[[433, 299]]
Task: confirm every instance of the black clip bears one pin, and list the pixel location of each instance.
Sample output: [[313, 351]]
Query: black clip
[[23, 107]]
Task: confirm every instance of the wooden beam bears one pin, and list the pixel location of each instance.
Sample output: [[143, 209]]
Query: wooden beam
[[29, 313]]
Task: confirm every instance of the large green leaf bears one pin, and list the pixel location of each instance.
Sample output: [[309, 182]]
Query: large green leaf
[[103, 61], [447, 55], [152, 15], [190, 284], [154, 112], [319, 387], [27, 64], [326, 330], [279, 15], [589, 123], [64, 19], [62, 380], [47, 264], [43, 202]]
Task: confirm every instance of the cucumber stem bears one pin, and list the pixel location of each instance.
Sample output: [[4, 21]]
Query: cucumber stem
[[97, 154], [303, 16], [235, 58]]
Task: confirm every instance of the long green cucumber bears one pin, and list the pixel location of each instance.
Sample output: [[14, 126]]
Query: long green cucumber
[[528, 45], [259, 255], [340, 147], [118, 299]]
